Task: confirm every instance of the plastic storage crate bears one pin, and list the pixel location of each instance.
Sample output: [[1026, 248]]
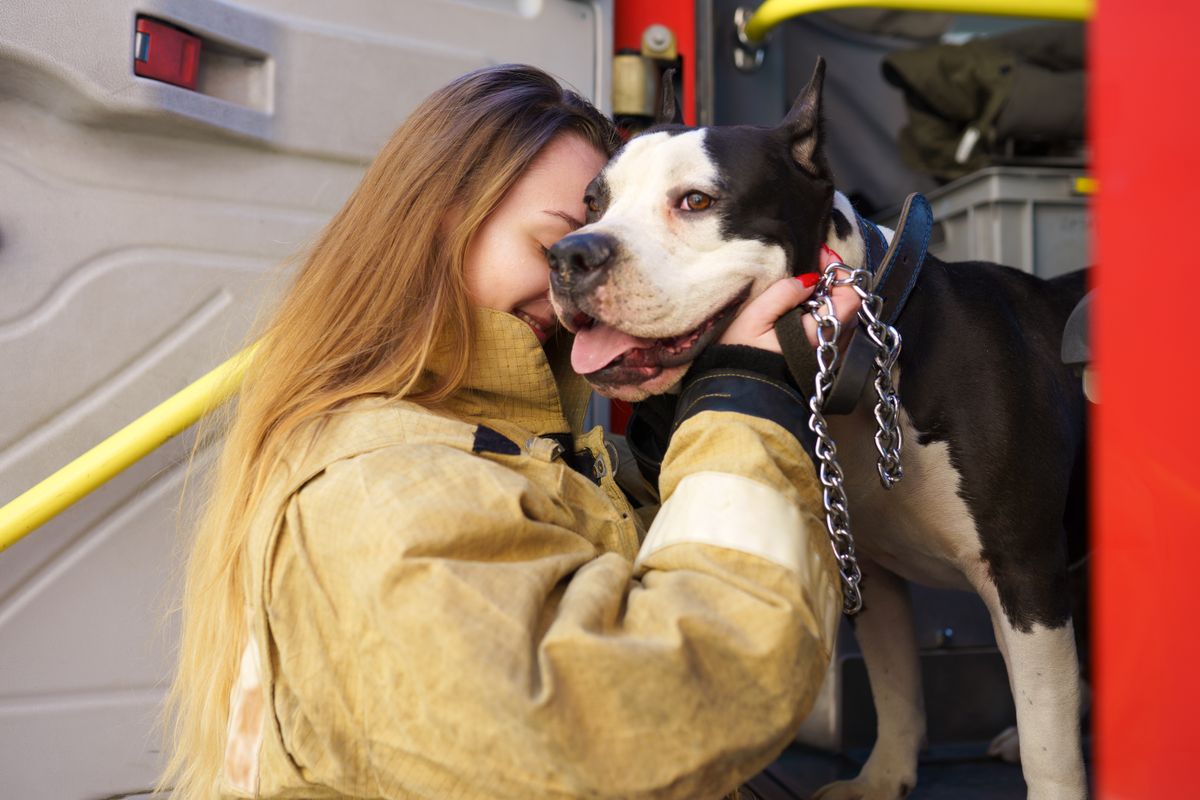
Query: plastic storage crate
[[1029, 218]]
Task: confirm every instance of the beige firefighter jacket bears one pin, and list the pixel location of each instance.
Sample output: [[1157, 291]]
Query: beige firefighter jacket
[[437, 612]]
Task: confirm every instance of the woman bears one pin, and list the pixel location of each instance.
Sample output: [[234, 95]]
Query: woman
[[416, 576]]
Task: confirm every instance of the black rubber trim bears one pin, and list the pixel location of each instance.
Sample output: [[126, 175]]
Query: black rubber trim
[[746, 392], [649, 432], [490, 441], [743, 357]]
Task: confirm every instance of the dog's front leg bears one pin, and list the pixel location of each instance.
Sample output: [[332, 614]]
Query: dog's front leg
[[884, 629], [1043, 671]]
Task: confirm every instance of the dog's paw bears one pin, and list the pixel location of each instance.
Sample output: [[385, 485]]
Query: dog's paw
[[862, 789], [1006, 746]]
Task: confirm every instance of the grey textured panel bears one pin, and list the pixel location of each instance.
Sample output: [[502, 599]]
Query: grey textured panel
[[331, 79], [141, 227]]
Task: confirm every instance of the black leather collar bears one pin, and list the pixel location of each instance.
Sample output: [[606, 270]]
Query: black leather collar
[[896, 272]]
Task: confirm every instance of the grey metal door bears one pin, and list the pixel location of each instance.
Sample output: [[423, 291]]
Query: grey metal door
[[140, 224]]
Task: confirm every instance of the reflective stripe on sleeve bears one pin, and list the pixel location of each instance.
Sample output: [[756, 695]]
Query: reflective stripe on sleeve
[[727, 510]]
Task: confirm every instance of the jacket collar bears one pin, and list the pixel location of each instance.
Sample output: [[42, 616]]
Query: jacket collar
[[513, 378]]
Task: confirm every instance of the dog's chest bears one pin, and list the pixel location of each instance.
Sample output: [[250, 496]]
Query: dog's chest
[[921, 528]]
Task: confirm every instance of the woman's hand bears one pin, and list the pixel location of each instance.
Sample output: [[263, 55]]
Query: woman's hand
[[755, 323]]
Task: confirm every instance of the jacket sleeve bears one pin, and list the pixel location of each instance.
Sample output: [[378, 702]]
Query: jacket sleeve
[[440, 626]]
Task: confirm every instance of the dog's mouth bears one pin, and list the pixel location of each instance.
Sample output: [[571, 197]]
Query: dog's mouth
[[605, 355]]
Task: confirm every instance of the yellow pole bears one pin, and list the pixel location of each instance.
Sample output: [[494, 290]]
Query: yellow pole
[[773, 12], [107, 459]]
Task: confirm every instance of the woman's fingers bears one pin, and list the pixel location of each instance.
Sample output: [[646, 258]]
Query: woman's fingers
[[755, 323], [846, 303]]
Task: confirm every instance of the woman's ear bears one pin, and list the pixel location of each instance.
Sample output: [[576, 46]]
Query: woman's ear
[[802, 127]]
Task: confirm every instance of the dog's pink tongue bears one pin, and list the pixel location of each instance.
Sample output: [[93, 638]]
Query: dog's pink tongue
[[598, 346]]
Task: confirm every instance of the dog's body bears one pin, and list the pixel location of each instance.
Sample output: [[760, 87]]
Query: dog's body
[[684, 225], [994, 485]]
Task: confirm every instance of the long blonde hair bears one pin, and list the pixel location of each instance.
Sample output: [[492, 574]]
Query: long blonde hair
[[380, 287]]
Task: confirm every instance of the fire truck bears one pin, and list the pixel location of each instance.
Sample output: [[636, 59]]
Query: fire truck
[[161, 159]]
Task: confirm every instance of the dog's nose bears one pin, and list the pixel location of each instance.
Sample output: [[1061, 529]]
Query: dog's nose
[[581, 260]]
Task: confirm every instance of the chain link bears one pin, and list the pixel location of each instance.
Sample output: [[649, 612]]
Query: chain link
[[888, 439]]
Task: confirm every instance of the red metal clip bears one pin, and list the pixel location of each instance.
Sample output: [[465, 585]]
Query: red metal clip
[[165, 53]]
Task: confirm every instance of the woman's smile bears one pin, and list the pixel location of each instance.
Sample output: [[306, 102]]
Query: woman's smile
[[542, 326]]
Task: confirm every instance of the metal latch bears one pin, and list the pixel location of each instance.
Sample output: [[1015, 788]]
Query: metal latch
[[637, 78], [165, 53]]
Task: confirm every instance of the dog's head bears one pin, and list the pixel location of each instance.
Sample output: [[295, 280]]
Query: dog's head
[[684, 225]]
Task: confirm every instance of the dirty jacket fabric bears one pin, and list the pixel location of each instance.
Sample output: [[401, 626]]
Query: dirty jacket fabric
[[440, 606]]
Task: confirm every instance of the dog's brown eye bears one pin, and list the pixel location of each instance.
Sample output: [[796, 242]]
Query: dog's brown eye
[[696, 201], [592, 206]]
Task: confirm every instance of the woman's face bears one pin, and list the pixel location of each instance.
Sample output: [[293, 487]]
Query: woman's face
[[506, 260]]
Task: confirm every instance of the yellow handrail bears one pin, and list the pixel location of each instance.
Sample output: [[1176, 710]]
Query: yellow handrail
[[116, 453], [773, 12]]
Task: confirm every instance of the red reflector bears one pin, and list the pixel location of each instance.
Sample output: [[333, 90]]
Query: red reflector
[[165, 53]]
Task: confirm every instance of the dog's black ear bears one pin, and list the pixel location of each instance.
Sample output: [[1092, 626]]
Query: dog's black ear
[[669, 108], [803, 126]]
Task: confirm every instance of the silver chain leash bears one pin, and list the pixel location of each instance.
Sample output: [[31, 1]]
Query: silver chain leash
[[888, 439]]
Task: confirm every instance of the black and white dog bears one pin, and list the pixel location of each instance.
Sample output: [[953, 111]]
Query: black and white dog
[[684, 225]]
